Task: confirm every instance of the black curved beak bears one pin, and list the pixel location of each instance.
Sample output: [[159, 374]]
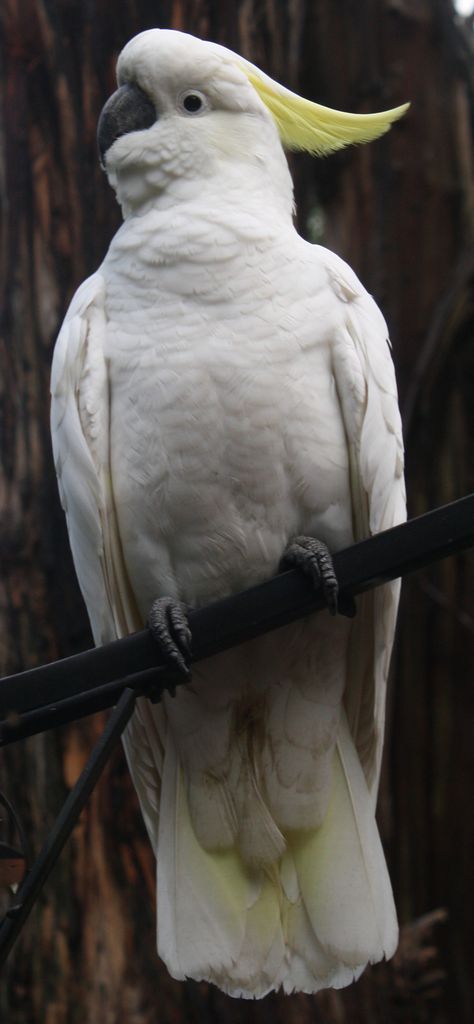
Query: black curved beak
[[127, 110]]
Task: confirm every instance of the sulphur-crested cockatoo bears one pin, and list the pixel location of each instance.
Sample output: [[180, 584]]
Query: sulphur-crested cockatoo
[[221, 386]]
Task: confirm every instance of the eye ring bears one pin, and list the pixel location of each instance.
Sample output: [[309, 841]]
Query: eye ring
[[192, 103]]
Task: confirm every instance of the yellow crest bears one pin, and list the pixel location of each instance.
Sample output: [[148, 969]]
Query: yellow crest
[[305, 125]]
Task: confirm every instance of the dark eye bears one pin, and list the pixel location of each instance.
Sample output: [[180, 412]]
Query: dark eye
[[192, 102]]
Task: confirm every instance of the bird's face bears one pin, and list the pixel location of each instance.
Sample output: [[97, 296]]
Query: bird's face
[[188, 112], [184, 111]]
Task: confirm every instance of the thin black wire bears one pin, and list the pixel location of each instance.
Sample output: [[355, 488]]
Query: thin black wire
[[30, 888]]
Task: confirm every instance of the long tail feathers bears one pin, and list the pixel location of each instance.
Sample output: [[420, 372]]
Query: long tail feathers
[[202, 897], [341, 869], [313, 920]]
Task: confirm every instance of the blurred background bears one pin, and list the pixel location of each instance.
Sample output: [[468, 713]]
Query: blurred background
[[401, 212]]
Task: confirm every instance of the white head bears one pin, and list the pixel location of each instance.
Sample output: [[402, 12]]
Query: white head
[[189, 114]]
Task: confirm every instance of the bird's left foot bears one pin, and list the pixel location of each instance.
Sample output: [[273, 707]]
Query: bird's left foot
[[313, 557], [169, 626]]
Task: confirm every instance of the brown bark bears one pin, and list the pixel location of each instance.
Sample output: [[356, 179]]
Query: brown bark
[[402, 215], [401, 212]]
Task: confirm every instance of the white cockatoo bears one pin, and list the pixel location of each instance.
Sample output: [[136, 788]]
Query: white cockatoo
[[221, 386]]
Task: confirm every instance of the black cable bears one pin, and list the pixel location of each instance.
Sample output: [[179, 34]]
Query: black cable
[[51, 695]]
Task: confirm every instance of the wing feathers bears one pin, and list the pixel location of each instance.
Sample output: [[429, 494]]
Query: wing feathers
[[80, 432], [366, 385]]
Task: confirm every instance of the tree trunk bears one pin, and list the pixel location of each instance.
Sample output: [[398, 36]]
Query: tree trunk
[[401, 212]]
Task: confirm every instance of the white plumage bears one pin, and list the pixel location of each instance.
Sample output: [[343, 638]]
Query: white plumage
[[219, 386]]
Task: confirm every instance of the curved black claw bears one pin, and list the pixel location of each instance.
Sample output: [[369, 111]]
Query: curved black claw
[[169, 626], [313, 557]]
